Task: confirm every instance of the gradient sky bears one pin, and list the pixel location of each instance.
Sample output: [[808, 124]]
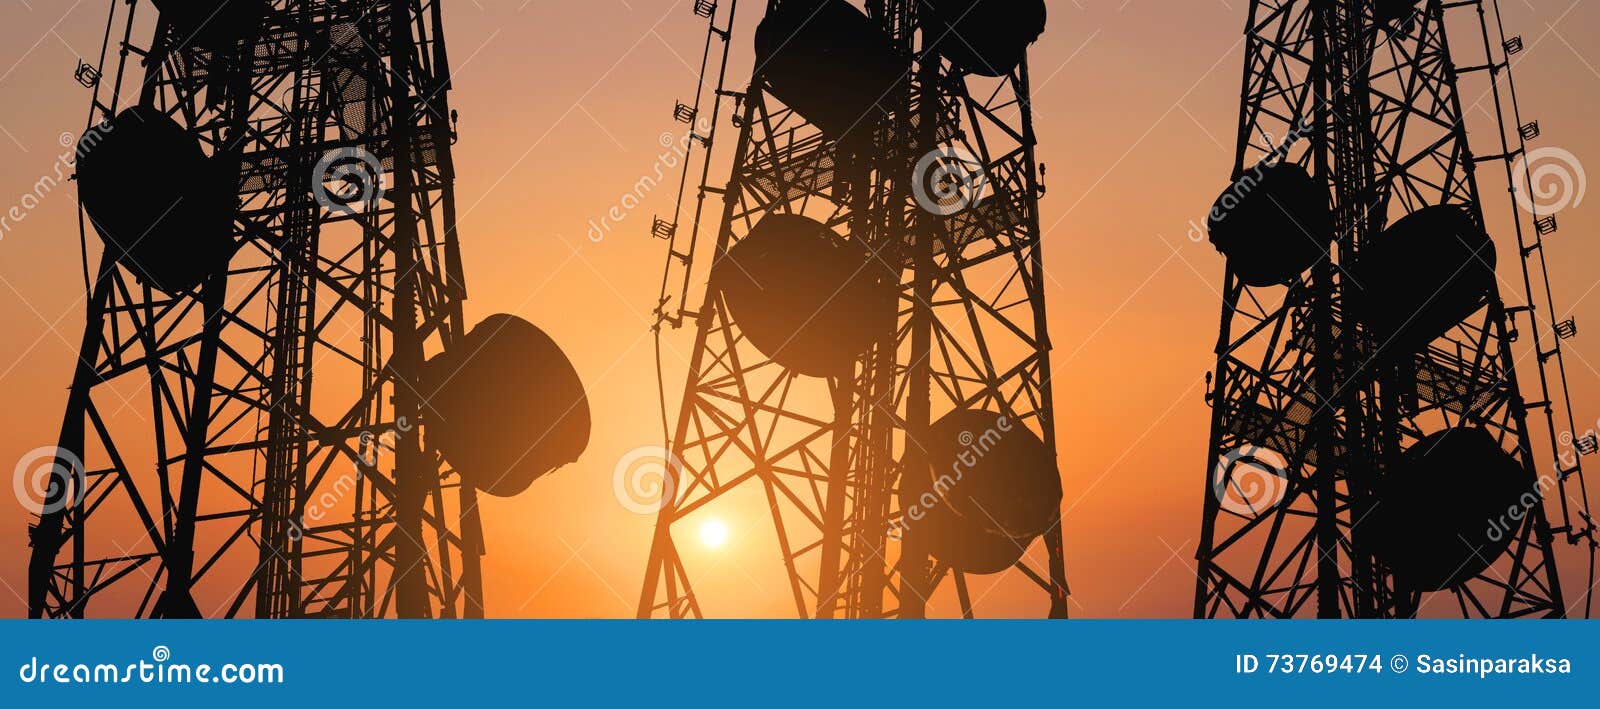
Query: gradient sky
[[563, 106]]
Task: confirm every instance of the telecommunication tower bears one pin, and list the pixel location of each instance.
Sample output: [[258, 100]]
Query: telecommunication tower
[[1389, 409], [870, 363], [277, 409]]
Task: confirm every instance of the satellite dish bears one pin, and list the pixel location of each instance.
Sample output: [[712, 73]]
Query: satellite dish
[[991, 487], [831, 63], [1422, 276], [160, 205], [964, 548], [213, 25], [952, 539], [1272, 224], [505, 406], [985, 37], [804, 296], [1448, 508], [999, 475]]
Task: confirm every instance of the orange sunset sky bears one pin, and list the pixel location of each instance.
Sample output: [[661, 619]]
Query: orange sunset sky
[[563, 107]]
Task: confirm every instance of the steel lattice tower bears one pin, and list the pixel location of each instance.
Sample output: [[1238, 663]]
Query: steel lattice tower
[[822, 458], [1370, 98], [254, 446]]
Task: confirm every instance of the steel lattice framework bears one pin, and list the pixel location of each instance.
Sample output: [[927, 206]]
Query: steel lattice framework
[[222, 476], [822, 457], [1379, 113]]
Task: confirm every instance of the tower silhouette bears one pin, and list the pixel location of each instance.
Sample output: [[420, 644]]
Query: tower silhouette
[[245, 432], [874, 314], [1377, 401]]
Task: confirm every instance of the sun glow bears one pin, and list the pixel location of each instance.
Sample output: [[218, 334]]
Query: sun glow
[[713, 533]]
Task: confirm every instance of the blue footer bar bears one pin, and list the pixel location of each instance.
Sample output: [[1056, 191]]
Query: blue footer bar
[[766, 663]]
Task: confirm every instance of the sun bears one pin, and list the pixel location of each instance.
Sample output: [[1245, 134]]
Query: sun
[[713, 533]]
